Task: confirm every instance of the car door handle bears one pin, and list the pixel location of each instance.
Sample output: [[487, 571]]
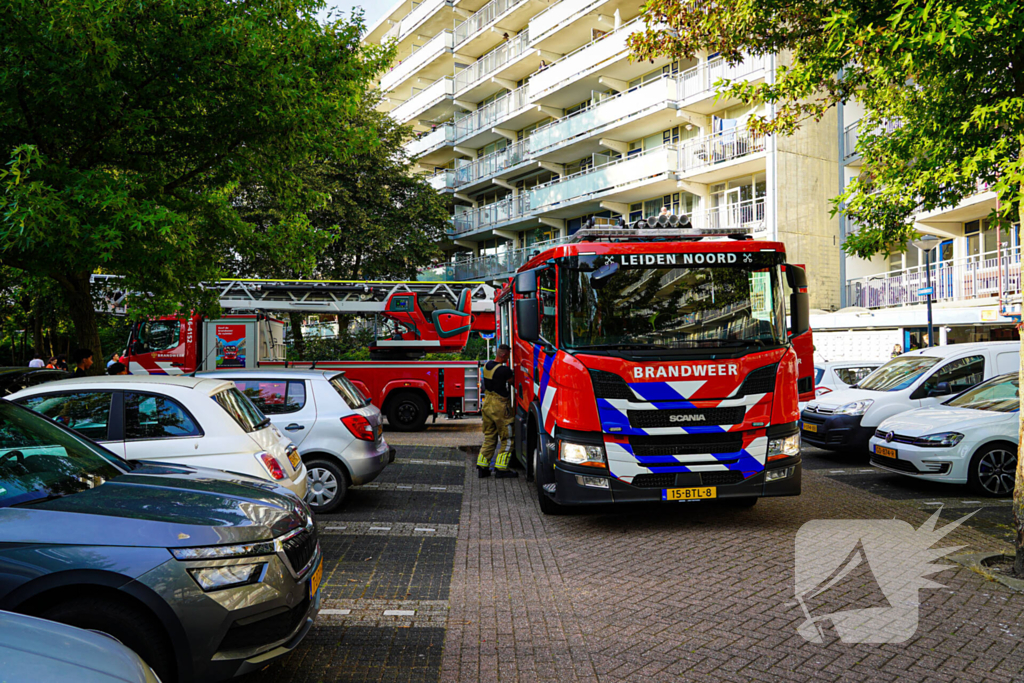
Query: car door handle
[[294, 427]]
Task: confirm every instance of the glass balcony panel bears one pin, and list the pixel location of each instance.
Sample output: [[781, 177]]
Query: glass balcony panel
[[493, 163], [560, 14], [606, 177], [582, 60], [408, 110], [414, 62], [486, 116], [419, 13], [439, 136], [492, 61], [501, 211], [443, 180], [482, 17]]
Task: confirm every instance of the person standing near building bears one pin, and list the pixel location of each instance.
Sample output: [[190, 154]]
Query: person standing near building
[[37, 361], [497, 415]]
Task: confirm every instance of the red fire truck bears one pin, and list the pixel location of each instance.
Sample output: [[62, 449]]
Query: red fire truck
[[413, 318], [657, 364]]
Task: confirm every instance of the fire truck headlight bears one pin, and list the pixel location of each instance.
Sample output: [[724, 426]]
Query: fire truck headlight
[[581, 454], [784, 447]]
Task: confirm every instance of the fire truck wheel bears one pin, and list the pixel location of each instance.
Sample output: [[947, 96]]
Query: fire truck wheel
[[407, 412], [547, 506], [327, 486]]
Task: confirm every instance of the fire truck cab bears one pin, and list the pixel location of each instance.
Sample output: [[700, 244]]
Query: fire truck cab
[[658, 365]]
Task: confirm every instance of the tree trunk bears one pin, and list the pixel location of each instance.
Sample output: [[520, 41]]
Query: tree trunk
[[298, 342], [37, 330], [78, 295], [1018, 487]]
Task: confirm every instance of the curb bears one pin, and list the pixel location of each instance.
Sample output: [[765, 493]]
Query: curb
[[975, 562]]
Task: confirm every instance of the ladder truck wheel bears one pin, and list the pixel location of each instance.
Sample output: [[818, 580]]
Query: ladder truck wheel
[[547, 506], [407, 412]]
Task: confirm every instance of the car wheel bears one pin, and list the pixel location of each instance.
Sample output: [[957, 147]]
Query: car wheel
[[326, 486], [135, 629], [547, 506], [993, 471], [407, 412]]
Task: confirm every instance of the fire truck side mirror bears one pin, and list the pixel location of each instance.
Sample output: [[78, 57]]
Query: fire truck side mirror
[[799, 302], [526, 282], [527, 319]]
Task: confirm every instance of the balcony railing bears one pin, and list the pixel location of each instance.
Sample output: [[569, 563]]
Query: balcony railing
[[504, 262], [419, 13], [953, 280], [719, 147], [583, 59], [501, 211], [442, 180], [701, 79], [851, 135], [495, 162], [602, 113], [746, 214], [421, 99], [442, 135], [602, 177], [482, 17], [416, 61], [486, 116], [492, 61], [560, 14]]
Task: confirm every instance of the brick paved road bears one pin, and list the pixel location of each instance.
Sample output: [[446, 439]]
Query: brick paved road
[[687, 592]]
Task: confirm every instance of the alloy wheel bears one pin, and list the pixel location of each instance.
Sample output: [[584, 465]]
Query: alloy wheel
[[997, 470], [321, 486]]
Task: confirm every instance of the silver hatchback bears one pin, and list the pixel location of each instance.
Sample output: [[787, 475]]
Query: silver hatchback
[[338, 432]]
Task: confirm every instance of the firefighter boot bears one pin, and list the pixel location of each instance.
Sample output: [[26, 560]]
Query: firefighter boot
[[501, 470]]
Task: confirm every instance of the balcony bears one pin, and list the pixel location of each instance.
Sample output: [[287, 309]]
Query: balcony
[[586, 60], [492, 165], [478, 34], [606, 113], [420, 14], [618, 179], [443, 180], [851, 136], [500, 212], [746, 214], [427, 143], [436, 95], [496, 266], [559, 15], [715, 157], [491, 64], [975, 277], [419, 60], [483, 118], [697, 89]]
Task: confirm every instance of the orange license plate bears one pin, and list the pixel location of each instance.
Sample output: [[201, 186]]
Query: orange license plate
[[314, 581], [696, 493], [885, 452], [810, 428]]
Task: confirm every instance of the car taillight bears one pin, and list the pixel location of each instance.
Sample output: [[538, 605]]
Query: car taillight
[[359, 426], [272, 465], [821, 391]]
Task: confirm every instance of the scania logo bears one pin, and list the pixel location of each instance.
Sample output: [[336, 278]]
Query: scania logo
[[686, 418], [890, 436]]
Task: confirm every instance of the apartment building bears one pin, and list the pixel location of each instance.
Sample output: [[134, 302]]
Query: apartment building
[[531, 118], [975, 277]]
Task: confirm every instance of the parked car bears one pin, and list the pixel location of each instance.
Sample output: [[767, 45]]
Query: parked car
[[33, 650], [338, 431], [970, 439], [848, 418], [833, 376], [204, 574], [172, 419], [15, 379]]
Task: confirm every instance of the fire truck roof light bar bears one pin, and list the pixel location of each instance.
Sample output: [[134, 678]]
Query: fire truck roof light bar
[[645, 234]]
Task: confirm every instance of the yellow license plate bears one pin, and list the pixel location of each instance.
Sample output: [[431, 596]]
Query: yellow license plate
[[314, 581], [885, 452], [294, 458], [689, 494], [810, 428]]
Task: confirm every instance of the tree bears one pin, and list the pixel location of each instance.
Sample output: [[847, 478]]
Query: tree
[[130, 125], [942, 84]]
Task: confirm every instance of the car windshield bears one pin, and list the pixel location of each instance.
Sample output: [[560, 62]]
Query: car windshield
[[998, 394], [612, 301], [348, 391], [241, 409], [40, 461], [898, 374]]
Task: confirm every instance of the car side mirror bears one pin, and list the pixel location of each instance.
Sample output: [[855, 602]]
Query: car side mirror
[[940, 389], [527, 319]]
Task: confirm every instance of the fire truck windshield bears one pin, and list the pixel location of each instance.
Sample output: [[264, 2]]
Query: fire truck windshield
[[614, 302]]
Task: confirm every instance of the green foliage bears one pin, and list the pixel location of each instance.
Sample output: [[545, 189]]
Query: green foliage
[[130, 127], [942, 84]]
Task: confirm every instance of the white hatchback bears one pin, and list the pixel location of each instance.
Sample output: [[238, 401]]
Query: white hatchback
[[970, 439], [185, 420]]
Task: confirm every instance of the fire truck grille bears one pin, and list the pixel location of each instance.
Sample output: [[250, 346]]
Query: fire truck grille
[[720, 478], [654, 481], [760, 381], [686, 444], [610, 385], [653, 419]]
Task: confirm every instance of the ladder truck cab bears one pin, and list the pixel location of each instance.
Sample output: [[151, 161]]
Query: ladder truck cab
[[411, 320], [657, 364]]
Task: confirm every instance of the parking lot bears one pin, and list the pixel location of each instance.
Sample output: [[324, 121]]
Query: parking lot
[[435, 575]]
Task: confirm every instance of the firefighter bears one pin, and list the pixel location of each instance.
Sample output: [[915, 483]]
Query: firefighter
[[497, 415]]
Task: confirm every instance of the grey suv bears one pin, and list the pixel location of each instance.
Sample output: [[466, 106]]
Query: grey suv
[[204, 574]]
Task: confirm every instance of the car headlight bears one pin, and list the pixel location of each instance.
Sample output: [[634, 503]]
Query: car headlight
[[784, 447], [219, 578], [225, 552], [855, 408], [941, 440], [582, 454]]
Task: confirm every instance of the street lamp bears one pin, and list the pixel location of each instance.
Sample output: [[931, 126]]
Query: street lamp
[[926, 244]]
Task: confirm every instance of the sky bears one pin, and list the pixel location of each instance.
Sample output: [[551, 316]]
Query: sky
[[372, 9]]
